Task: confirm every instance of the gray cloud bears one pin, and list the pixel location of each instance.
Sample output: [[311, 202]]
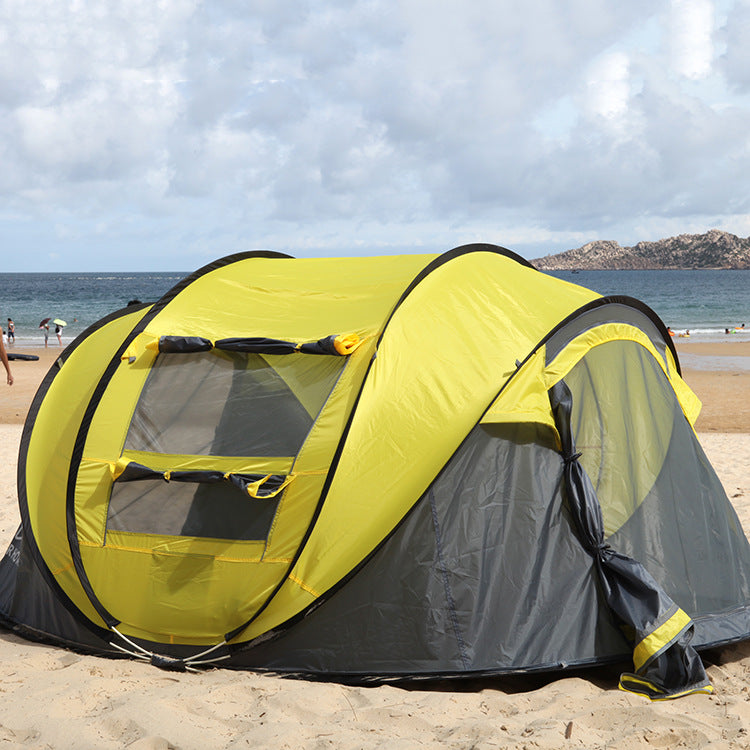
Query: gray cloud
[[735, 63]]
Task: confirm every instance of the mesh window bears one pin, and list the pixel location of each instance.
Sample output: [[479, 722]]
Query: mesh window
[[661, 501], [231, 404], [217, 511], [623, 407]]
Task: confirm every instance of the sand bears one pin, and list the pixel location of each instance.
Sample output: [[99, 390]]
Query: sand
[[52, 698], [719, 374]]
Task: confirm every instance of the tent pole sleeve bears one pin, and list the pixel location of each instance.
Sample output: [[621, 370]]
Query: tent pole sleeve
[[666, 665]]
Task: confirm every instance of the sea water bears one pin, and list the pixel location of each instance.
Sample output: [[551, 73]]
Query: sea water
[[705, 303], [80, 299], [702, 302]]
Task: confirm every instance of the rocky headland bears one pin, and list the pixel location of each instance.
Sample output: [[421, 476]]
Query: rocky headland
[[714, 249]]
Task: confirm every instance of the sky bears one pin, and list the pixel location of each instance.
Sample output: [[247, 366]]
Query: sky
[[163, 134]]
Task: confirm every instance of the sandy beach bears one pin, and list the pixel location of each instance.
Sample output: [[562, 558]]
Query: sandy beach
[[54, 698]]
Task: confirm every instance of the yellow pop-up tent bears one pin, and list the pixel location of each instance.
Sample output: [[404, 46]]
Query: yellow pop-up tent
[[374, 468]]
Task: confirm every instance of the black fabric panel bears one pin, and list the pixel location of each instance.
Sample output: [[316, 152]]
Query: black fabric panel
[[9, 571], [483, 575], [722, 628]]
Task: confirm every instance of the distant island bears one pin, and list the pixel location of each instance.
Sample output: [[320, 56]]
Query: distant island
[[714, 249]]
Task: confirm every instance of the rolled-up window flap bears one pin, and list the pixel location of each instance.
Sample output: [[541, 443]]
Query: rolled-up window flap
[[130, 471], [184, 344], [342, 345], [259, 486], [336, 345], [257, 345]]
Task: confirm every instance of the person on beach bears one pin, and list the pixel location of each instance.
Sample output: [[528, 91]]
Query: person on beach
[[45, 330], [11, 331], [6, 364], [58, 333]]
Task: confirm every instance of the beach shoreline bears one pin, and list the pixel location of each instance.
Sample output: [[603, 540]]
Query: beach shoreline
[[89, 701]]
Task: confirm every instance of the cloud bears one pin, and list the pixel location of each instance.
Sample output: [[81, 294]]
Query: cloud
[[212, 127], [691, 25], [608, 86], [735, 62]]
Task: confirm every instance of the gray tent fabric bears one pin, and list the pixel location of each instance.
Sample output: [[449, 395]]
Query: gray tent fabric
[[484, 575]]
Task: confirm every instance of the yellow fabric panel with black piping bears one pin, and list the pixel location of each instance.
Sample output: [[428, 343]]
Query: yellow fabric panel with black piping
[[301, 300], [193, 586], [525, 398], [52, 442], [439, 365]]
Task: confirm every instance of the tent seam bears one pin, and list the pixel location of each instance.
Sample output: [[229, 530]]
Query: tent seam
[[452, 614], [304, 586]]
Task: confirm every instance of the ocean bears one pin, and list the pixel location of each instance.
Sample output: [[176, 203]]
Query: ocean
[[79, 299], [702, 302]]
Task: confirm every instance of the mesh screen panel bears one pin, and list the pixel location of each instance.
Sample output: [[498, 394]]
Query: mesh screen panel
[[231, 404], [662, 502], [622, 420], [218, 511]]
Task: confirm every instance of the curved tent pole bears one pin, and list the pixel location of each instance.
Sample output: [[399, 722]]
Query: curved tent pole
[[93, 404], [426, 271]]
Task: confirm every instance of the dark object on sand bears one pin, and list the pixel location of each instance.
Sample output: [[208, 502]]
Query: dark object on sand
[[12, 356]]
